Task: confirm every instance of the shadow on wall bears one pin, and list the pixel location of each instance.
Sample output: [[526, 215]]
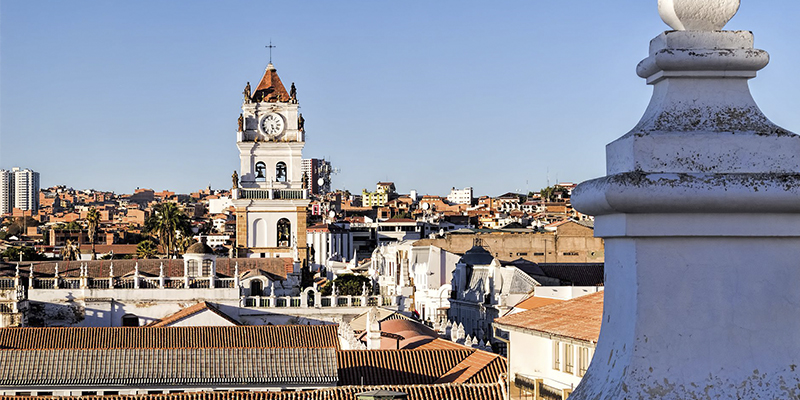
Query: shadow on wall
[[250, 316], [42, 314]]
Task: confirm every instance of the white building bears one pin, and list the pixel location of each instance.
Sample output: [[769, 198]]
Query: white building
[[484, 289], [460, 196], [550, 347], [432, 268], [217, 206], [6, 191], [328, 242], [19, 188]]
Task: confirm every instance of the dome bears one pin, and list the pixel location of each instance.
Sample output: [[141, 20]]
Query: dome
[[199, 248], [477, 255]]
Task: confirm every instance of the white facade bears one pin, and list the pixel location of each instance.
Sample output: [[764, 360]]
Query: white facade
[[271, 199], [432, 268], [328, 243], [560, 362], [460, 196], [6, 191], [217, 206]]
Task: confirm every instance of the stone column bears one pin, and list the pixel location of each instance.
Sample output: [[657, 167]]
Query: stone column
[[700, 212]]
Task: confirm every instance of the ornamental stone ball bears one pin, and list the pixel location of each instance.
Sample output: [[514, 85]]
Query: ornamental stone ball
[[697, 15]]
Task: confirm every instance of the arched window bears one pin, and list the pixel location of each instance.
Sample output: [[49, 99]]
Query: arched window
[[206, 268], [261, 171], [130, 320], [191, 266], [284, 233], [280, 172]]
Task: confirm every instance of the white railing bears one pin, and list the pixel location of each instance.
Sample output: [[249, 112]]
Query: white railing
[[311, 302]]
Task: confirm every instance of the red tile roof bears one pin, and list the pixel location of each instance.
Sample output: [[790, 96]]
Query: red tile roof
[[492, 391], [225, 267], [533, 302], [188, 312], [579, 318], [480, 367], [405, 367], [278, 336], [272, 86]]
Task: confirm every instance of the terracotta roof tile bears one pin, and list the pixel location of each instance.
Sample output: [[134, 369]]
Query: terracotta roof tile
[[480, 367], [396, 367], [279, 336], [225, 267], [579, 318], [188, 312], [271, 86], [419, 366], [492, 391]]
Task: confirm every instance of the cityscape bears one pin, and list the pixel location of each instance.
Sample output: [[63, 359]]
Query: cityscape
[[672, 276]]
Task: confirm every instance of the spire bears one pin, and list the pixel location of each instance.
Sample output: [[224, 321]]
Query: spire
[[270, 89]]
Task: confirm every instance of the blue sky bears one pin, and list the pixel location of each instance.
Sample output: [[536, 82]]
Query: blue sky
[[500, 96]]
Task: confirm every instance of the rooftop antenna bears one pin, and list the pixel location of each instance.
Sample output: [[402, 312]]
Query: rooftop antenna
[[270, 47]]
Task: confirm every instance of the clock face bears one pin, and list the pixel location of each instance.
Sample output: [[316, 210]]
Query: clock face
[[272, 124]]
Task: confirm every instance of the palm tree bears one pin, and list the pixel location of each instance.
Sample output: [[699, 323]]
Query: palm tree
[[146, 249], [70, 251], [93, 218], [168, 222]]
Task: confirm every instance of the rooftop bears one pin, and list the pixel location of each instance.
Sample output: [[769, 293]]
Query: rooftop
[[579, 318]]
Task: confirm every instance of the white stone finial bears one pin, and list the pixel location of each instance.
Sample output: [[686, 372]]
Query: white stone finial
[[697, 15]]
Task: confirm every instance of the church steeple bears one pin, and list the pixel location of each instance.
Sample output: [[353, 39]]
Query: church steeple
[[270, 89]]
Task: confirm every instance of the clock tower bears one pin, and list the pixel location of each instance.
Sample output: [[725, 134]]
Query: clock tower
[[269, 190]]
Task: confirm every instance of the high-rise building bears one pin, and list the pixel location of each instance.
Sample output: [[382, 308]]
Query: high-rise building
[[19, 188], [269, 194], [6, 191], [318, 173]]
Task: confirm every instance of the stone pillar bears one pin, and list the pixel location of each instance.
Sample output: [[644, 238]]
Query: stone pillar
[[700, 212]]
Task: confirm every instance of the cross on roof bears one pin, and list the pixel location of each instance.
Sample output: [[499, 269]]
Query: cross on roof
[[270, 47]]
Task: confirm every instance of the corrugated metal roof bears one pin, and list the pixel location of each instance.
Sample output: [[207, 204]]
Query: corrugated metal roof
[[167, 367]]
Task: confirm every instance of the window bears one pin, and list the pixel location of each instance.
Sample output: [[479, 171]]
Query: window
[[569, 358], [191, 266], [284, 232], [538, 254], [522, 254], [206, 268], [130, 320], [280, 171], [556, 356], [583, 360], [261, 171], [570, 253]]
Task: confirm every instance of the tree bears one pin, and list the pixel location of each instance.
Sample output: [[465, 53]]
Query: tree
[[146, 249], [93, 219], [348, 285], [168, 223], [28, 254]]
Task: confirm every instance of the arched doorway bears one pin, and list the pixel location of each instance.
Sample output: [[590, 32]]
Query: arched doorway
[[256, 288], [130, 320]]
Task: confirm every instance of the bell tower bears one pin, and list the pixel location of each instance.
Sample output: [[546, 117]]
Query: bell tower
[[269, 191]]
